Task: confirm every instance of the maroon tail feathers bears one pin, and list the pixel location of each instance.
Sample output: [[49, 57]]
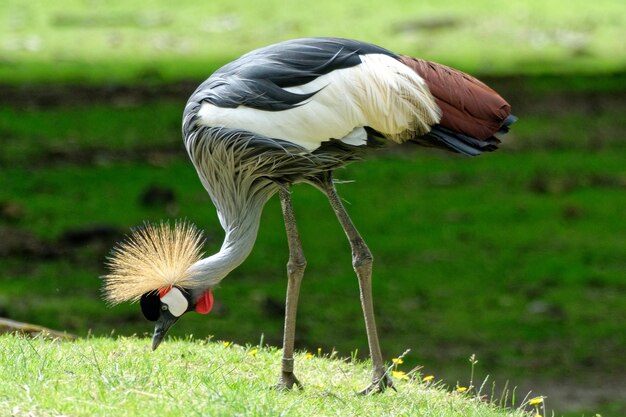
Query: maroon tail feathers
[[472, 113]]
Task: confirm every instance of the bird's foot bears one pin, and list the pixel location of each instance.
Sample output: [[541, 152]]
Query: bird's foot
[[287, 381], [380, 382]]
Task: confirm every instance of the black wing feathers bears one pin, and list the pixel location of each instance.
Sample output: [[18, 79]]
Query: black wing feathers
[[257, 79]]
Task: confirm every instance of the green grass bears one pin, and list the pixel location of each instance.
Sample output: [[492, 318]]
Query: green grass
[[147, 42], [119, 377]]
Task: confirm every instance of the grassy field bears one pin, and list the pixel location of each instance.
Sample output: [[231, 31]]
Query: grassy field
[[515, 256], [120, 377], [149, 42]]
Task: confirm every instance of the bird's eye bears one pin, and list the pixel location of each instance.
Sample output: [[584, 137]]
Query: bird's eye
[[164, 307]]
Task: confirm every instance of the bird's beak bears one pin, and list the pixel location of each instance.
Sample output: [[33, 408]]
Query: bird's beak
[[163, 324]]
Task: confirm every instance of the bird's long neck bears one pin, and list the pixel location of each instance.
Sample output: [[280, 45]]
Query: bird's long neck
[[232, 172], [241, 227]]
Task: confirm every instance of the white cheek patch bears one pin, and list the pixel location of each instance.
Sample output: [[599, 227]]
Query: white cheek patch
[[175, 301]]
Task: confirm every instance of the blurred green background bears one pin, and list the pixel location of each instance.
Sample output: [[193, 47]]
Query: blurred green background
[[517, 256]]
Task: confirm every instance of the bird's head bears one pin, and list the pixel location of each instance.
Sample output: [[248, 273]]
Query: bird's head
[[167, 305], [153, 266]]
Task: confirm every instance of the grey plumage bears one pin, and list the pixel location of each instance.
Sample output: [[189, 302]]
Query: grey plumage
[[241, 171]]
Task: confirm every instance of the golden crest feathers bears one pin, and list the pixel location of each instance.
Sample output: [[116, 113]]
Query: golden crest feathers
[[153, 256]]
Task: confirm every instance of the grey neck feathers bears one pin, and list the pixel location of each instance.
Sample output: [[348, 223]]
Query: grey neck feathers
[[233, 174], [238, 243]]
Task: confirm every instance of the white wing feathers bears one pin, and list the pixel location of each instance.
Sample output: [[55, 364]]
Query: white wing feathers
[[381, 92]]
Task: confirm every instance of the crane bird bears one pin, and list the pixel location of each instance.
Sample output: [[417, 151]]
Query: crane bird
[[288, 113]]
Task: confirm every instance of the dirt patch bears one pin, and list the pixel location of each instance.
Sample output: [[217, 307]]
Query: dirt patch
[[594, 394], [548, 95], [38, 96], [20, 243], [157, 156]]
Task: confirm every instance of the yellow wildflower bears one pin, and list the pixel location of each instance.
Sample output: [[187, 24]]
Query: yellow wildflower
[[319, 351], [226, 344], [461, 389], [397, 361], [536, 401], [309, 355], [399, 375], [428, 378], [253, 352]]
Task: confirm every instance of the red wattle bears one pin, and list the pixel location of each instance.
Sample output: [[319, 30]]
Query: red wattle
[[204, 304]]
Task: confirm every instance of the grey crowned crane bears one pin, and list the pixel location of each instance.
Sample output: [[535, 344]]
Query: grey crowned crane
[[292, 113]]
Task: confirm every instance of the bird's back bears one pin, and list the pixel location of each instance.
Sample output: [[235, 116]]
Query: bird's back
[[261, 79], [304, 94]]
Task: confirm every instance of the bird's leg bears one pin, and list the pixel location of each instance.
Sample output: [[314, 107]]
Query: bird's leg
[[362, 262], [295, 271]]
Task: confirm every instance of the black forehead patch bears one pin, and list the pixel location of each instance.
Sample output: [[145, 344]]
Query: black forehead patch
[[150, 305]]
